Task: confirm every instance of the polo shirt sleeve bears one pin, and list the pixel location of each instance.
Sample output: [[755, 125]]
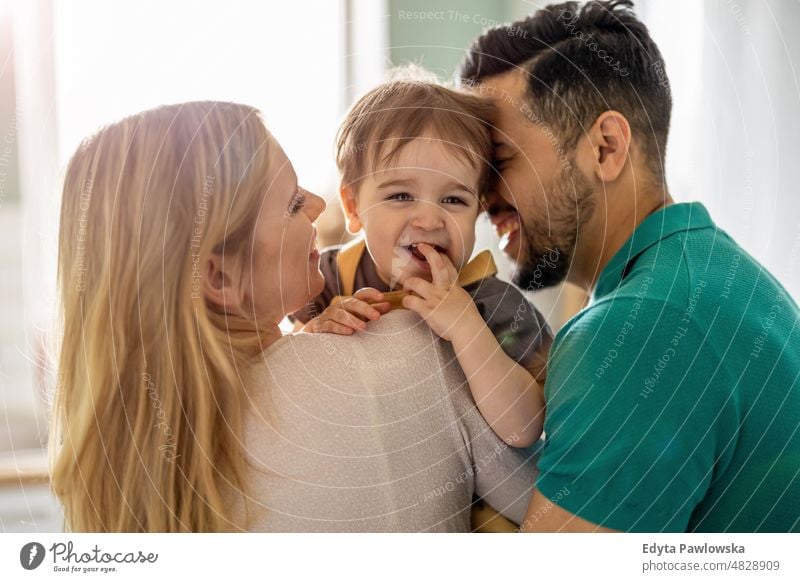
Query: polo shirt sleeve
[[630, 439]]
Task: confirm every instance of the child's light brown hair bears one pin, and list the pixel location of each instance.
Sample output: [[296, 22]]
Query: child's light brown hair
[[397, 112]]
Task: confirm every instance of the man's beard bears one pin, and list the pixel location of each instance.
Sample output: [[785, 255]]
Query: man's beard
[[549, 239]]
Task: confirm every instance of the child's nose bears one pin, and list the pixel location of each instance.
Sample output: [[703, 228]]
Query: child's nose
[[428, 217]]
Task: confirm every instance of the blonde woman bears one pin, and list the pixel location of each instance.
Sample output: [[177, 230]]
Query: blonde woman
[[184, 241]]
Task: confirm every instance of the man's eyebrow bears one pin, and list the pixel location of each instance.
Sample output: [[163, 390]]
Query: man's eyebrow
[[397, 182]]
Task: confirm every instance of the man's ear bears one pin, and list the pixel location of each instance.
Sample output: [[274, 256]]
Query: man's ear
[[220, 287], [608, 146], [350, 207]]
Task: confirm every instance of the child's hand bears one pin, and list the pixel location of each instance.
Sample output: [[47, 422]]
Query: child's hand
[[445, 306], [350, 314]]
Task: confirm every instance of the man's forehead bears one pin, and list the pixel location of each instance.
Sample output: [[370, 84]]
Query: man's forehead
[[504, 88], [507, 93]]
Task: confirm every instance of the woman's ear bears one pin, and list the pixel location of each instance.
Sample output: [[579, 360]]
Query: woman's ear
[[219, 287], [609, 138], [350, 206]]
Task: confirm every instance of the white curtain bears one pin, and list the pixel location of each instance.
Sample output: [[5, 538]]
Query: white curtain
[[735, 139]]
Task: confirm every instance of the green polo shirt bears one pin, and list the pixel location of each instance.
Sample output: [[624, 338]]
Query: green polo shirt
[[673, 400]]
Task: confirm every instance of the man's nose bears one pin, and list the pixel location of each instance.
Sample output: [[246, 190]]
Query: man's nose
[[497, 204], [427, 216]]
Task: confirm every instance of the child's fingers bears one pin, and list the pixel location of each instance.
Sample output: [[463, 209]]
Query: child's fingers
[[382, 307], [440, 273], [330, 326], [345, 317], [369, 294], [361, 308], [451, 269], [419, 286], [415, 304]]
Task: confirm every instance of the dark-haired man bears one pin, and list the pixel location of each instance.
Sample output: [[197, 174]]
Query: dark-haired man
[[673, 400]]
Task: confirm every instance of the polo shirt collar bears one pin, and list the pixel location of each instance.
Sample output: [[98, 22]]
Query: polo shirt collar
[[653, 229]]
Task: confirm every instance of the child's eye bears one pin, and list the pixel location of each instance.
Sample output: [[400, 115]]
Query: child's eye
[[454, 200], [401, 196]]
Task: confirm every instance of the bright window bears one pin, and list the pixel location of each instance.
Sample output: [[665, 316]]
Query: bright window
[[117, 58]]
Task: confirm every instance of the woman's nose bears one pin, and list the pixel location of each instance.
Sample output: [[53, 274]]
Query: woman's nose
[[427, 216], [315, 204]]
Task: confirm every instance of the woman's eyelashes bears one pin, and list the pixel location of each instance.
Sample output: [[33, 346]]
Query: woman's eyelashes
[[297, 202]]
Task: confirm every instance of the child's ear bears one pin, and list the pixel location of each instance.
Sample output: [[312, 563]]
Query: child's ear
[[350, 207]]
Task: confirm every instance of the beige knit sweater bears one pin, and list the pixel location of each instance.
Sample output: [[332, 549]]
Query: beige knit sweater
[[372, 432]]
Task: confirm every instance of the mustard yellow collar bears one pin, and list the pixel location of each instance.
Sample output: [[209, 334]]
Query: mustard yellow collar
[[349, 257]]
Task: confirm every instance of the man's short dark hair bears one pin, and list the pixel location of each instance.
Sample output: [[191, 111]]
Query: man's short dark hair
[[581, 61]]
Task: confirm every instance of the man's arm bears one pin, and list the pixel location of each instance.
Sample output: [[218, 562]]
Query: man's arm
[[545, 516]]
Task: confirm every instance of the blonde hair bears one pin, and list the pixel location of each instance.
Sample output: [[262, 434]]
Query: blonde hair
[[393, 114], [147, 411]]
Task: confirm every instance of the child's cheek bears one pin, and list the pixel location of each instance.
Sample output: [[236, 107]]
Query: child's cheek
[[463, 246]]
